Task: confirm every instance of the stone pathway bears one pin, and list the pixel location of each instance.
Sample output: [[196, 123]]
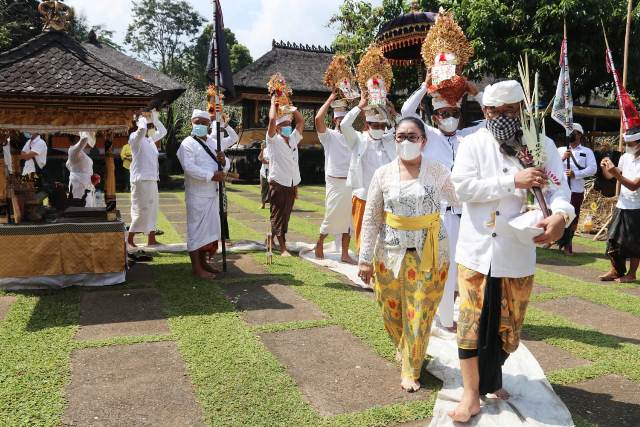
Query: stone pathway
[[5, 305]]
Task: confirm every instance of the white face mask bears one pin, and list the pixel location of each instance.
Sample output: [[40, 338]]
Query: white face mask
[[408, 150], [449, 124], [376, 133], [631, 150]]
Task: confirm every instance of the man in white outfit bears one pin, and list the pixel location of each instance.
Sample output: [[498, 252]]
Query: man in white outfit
[[33, 153], [337, 155], [144, 177], [80, 167], [197, 155], [442, 146]]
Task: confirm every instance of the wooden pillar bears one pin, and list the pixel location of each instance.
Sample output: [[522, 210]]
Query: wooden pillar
[[109, 175]]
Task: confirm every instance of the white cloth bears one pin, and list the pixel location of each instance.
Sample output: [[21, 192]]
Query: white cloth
[[203, 220], [502, 93], [199, 167], [144, 152], [445, 312], [144, 206], [337, 153], [283, 163], [6, 153], [337, 217], [485, 182], [367, 155], [227, 141], [200, 114], [264, 168], [80, 167], [630, 167], [578, 127], [632, 137], [388, 244], [37, 145], [285, 118], [586, 160]]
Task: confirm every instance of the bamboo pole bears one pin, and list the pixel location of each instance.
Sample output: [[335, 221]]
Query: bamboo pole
[[625, 69]]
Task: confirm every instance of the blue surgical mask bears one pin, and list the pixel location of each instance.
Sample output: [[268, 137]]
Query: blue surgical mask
[[286, 131], [27, 135], [200, 130]]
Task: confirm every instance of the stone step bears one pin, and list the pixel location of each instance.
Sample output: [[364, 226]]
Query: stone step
[[6, 302]]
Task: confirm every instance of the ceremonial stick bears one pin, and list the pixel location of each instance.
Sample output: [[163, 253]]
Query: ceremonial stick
[[216, 82]]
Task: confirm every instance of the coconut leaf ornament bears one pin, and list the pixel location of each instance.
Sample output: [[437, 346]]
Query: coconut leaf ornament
[[376, 75]]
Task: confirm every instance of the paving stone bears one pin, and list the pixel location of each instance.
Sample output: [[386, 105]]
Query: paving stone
[[539, 289], [631, 291], [610, 400], [176, 217], [140, 274], [5, 305], [552, 358], [336, 372], [244, 265], [607, 320], [271, 303], [418, 423], [132, 385], [130, 312], [581, 272]]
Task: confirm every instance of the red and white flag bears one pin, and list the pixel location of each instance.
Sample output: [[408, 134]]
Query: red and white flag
[[562, 111], [628, 111]]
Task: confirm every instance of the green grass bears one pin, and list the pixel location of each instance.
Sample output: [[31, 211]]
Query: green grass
[[300, 204], [598, 246], [578, 259]]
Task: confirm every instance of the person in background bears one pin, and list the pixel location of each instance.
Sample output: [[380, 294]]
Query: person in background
[[582, 164], [34, 154], [144, 177], [126, 157], [624, 228], [80, 167], [263, 157], [337, 155]]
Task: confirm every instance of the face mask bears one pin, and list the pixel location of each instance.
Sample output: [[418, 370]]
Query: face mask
[[200, 130], [408, 150], [449, 124], [286, 131], [376, 133], [27, 135], [504, 128], [631, 150], [151, 132]]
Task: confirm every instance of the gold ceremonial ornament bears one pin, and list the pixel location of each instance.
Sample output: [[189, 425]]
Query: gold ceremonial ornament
[[339, 76], [214, 93], [376, 75], [56, 15], [279, 88]]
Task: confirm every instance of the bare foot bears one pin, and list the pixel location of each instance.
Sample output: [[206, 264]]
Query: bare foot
[[153, 243], [609, 277], [262, 206], [502, 394], [465, 410], [205, 275], [626, 279], [398, 356], [348, 260], [210, 268], [409, 385], [285, 254], [319, 251]]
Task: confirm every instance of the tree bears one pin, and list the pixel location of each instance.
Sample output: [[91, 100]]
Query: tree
[[160, 30], [80, 30]]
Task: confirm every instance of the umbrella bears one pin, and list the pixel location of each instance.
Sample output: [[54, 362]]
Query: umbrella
[[402, 37]]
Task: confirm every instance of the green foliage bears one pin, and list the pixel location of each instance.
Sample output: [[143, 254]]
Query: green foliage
[[160, 31], [80, 30]]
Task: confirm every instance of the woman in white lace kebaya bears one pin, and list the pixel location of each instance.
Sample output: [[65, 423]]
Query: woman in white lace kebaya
[[404, 246]]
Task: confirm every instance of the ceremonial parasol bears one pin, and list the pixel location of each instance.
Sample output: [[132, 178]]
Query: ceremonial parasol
[[402, 37]]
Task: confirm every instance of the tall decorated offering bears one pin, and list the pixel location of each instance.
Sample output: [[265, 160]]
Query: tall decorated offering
[[339, 77], [376, 75], [279, 88]]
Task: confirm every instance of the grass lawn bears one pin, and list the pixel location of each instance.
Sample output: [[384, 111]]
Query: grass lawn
[[237, 381]]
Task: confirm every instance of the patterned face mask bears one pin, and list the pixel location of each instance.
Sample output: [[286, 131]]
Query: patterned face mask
[[504, 128]]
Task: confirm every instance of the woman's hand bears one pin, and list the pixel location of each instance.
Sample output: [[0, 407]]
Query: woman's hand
[[365, 273]]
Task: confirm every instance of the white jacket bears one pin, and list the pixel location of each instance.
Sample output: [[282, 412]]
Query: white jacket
[[484, 179], [199, 167]]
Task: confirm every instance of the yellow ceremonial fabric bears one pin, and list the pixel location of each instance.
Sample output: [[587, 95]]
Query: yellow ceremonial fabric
[[431, 223], [62, 254], [357, 214], [409, 304], [515, 298], [125, 155]]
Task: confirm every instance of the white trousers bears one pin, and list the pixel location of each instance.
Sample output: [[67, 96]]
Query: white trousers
[[78, 188], [144, 206], [337, 217], [203, 221], [445, 309]]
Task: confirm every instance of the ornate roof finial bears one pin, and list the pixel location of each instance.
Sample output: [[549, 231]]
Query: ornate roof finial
[[415, 6], [56, 15]]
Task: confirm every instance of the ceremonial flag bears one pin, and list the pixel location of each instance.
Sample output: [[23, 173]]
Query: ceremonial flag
[[225, 79], [628, 112], [562, 111]]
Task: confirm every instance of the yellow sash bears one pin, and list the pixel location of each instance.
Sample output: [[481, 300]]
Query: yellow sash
[[431, 223]]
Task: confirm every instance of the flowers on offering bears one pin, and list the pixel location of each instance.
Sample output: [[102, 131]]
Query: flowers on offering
[[376, 75], [339, 76], [279, 88]]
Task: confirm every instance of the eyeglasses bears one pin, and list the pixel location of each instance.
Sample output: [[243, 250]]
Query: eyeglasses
[[492, 113], [412, 137], [448, 114]]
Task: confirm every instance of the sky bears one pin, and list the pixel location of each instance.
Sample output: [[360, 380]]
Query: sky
[[255, 22]]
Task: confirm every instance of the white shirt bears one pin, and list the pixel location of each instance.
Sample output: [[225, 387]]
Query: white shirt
[[337, 154], [264, 168], [6, 152], [79, 163], [37, 145], [630, 167], [227, 141], [199, 167], [367, 154], [586, 160], [484, 179], [144, 152], [283, 160]]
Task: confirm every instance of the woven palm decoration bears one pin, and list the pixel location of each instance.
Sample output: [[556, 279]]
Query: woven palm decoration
[[278, 86], [375, 74], [339, 76]]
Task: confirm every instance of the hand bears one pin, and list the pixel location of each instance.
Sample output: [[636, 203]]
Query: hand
[[530, 177], [570, 173], [392, 108], [363, 99], [608, 167], [566, 155], [553, 226], [221, 157], [365, 272], [218, 176], [333, 96], [472, 88], [427, 78]]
